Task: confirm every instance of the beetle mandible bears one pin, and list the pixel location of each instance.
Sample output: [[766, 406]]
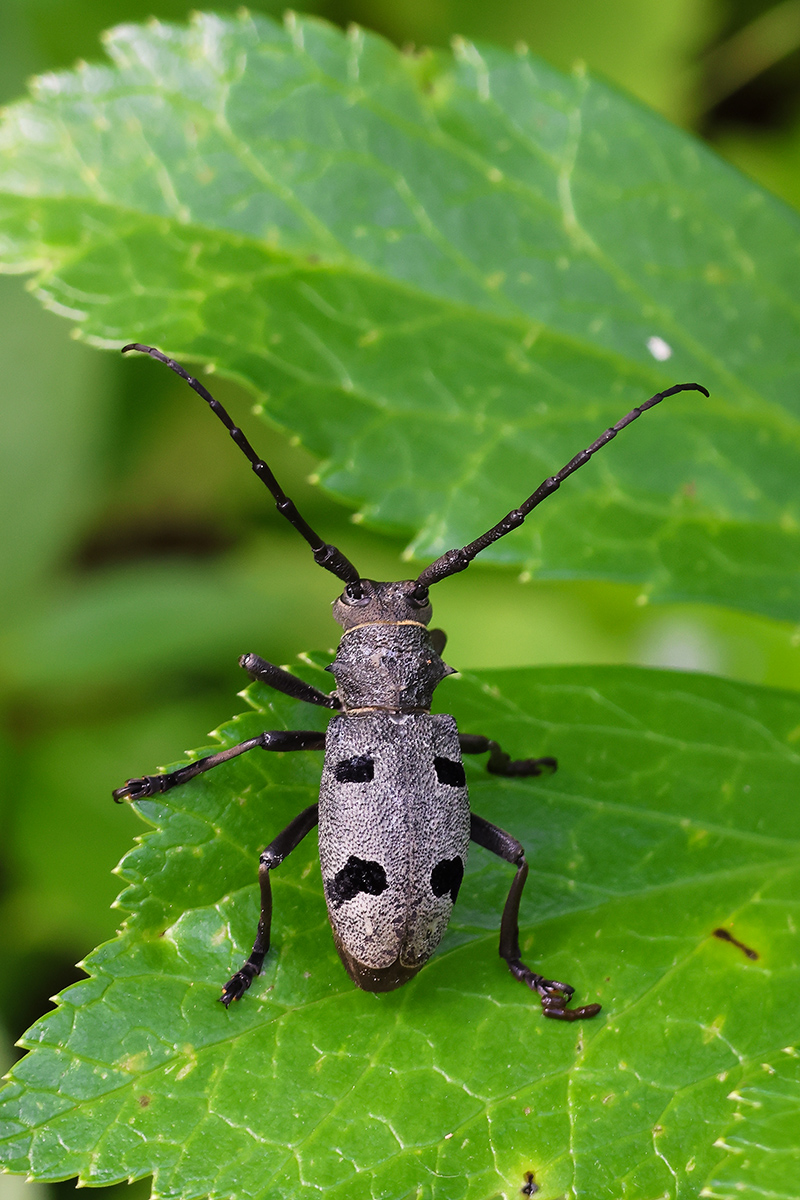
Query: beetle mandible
[[393, 812]]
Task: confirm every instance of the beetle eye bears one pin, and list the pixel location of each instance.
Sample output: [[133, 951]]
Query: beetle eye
[[354, 593], [419, 597]]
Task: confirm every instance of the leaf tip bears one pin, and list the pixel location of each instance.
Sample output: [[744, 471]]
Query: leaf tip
[[458, 45]]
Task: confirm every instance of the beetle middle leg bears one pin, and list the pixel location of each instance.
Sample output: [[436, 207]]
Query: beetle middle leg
[[555, 996], [273, 856], [277, 739], [501, 763]]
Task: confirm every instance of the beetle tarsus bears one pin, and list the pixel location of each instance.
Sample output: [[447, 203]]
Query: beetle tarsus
[[555, 996], [503, 764], [562, 1013], [238, 984], [552, 991], [138, 789]]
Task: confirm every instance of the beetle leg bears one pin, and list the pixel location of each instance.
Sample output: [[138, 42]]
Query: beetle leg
[[439, 639], [279, 739], [501, 763], [282, 681], [273, 856], [554, 995]]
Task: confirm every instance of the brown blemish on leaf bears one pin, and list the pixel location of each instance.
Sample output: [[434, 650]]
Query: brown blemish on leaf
[[530, 1186], [144, 1101], [724, 936]]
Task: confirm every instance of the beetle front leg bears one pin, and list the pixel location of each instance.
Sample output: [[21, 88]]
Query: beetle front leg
[[554, 995], [282, 681], [501, 763], [273, 856], [278, 739]]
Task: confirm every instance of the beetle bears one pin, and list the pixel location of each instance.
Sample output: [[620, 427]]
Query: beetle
[[393, 813]]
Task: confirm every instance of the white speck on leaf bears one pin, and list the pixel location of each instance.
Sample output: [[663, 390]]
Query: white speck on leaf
[[659, 349]]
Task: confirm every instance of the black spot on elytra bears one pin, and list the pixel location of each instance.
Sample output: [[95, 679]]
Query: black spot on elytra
[[357, 875], [446, 877], [449, 772], [360, 769]]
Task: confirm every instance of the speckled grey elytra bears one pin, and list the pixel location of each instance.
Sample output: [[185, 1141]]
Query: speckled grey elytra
[[405, 820]]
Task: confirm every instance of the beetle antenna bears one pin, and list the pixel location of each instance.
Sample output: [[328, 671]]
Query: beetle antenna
[[458, 560], [328, 556]]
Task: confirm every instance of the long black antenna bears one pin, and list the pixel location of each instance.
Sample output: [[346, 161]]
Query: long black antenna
[[326, 555], [458, 560]]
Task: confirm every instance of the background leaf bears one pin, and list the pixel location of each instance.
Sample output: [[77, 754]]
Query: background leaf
[[671, 816], [445, 276], [48, 470]]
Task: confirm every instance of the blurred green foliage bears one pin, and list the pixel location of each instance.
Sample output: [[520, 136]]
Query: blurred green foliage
[[139, 557]]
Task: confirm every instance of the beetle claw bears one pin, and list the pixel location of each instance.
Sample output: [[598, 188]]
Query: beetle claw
[[234, 989], [555, 996], [238, 984], [552, 989], [137, 789]]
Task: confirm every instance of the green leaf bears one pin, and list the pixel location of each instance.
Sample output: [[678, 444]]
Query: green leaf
[[445, 276], [673, 815]]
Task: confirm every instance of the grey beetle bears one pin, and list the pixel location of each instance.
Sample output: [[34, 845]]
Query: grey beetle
[[393, 812]]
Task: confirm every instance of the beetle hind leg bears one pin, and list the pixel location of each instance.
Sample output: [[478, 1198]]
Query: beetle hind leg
[[273, 856], [554, 995]]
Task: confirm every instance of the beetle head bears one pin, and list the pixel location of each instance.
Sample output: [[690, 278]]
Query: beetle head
[[367, 602]]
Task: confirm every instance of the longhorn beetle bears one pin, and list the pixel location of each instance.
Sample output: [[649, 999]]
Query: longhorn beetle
[[393, 813]]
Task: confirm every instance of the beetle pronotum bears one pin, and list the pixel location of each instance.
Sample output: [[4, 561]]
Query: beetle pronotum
[[393, 812]]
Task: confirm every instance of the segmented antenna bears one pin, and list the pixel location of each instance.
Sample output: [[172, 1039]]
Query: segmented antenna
[[328, 556], [454, 561]]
